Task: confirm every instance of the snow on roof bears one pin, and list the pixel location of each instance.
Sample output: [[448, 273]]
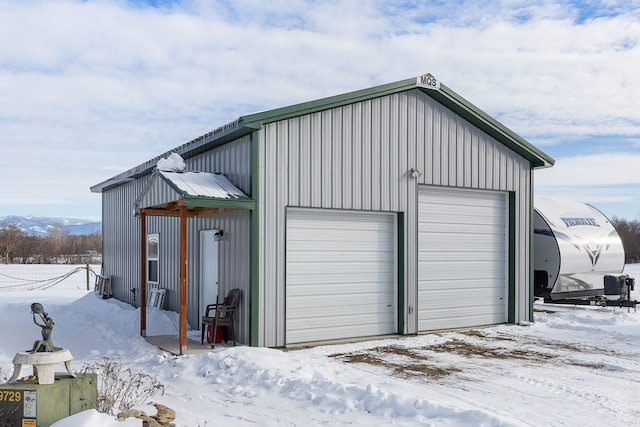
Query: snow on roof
[[174, 162], [205, 184]]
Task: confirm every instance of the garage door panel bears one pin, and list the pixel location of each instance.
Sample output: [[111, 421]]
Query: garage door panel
[[486, 312], [448, 239], [461, 320], [328, 248], [319, 315], [462, 257], [336, 222], [339, 287], [476, 235], [365, 303], [483, 268], [453, 221], [374, 234], [437, 285], [336, 269], [338, 257], [469, 215], [340, 273], [468, 297], [301, 329], [458, 228], [340, 330], [475, 199], [427, 259]]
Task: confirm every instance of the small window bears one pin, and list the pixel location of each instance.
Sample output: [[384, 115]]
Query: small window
[[152, 257]]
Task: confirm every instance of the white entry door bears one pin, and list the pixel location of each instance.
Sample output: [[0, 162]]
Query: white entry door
[[208, 269]]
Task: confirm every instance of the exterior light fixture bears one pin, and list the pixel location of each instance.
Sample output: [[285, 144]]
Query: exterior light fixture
[[217, 236], [415, 173]]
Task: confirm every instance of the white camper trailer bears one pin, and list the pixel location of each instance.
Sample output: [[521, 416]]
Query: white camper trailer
[[577, 254]]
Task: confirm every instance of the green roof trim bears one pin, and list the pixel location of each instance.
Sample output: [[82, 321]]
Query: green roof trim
[[258, 119], [251, 122], [491, 126]]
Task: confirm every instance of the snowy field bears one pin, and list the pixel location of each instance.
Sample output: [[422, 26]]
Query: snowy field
[[574, 366]]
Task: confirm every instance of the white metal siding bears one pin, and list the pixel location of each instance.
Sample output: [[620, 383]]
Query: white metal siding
[[302, 165], [365, 168], [120, 242], [121, 236], [462, 257], [340, 278]]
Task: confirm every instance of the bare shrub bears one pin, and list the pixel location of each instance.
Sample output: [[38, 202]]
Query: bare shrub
[[121, 386]]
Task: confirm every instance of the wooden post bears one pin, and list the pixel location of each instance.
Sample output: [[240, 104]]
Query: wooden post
[[143, 274], [183, 280]]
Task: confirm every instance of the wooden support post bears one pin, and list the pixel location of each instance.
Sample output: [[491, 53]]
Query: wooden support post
[[143, 274], [183, 280]]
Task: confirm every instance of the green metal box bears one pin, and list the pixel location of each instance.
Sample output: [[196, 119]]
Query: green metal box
[[29, 404]]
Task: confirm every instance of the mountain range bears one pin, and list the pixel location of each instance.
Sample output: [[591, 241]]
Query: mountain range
[[42, 226]]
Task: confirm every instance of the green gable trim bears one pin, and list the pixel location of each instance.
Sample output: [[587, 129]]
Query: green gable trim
[[488, 124], [258, 119]]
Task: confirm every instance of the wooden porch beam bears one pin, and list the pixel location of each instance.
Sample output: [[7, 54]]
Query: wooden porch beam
[[168, 211], [183, 281], [143, 275], [174, 210], [208, 211]]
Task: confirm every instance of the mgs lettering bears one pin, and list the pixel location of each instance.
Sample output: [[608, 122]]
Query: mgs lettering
[[428, 81]]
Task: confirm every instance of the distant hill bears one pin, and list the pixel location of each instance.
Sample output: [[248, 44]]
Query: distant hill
[[42, 226]]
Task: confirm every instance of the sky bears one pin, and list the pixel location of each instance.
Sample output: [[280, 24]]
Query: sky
[[89, 89]]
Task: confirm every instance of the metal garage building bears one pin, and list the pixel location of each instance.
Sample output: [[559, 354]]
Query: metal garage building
[[391, 210]]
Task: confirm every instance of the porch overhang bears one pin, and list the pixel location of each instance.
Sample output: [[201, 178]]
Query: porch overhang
[[182, 194]]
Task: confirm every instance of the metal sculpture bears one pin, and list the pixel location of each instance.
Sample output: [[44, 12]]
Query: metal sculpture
[[45, 344]]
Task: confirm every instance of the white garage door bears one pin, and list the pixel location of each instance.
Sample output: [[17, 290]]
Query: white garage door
[[462, 258], [340, 275]]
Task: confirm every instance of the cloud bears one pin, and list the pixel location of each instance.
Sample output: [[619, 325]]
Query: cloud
[[608, 181], [104, 85], [591, 170]]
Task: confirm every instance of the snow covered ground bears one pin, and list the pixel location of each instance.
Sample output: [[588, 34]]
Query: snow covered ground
[[572, 366]]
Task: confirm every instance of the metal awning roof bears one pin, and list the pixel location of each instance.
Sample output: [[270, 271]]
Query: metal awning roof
[[201, 192], [203, 184]]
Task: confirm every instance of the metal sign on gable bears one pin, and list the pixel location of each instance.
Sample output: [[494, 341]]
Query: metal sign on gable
[[428, 81]]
